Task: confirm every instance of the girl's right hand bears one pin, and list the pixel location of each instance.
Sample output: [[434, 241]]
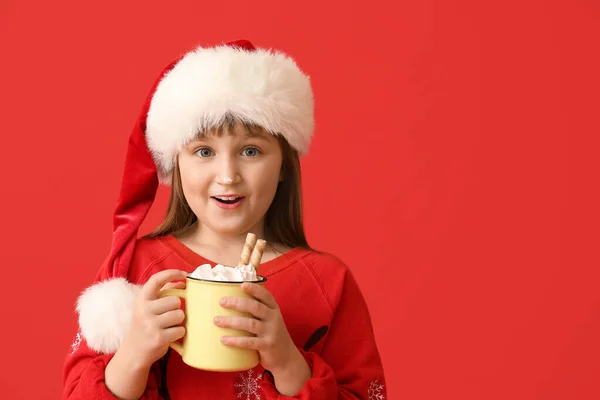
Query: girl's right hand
[[155, 321]]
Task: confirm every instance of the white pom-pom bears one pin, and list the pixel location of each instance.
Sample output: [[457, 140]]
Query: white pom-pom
[[105, 313]]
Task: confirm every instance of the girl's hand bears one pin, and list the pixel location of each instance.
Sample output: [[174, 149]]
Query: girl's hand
[[155, 321], [277, 351]]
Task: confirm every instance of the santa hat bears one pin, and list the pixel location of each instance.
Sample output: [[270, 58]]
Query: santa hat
[[194, 93]]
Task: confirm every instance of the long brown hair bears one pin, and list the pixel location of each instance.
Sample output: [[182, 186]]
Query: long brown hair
[[283, 221]]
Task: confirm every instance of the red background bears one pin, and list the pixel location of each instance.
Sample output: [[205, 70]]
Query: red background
[[454, 168]]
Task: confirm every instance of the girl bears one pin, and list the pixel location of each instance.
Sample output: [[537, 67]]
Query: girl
[[226, 127]]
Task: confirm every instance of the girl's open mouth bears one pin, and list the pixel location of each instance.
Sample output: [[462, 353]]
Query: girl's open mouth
[[228, 202]]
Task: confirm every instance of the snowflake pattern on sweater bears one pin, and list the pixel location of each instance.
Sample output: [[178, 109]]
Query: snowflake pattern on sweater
[[76, 343], [247, 385], [376, 391]]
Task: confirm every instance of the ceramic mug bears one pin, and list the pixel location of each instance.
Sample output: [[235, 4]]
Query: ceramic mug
[[202, 347]]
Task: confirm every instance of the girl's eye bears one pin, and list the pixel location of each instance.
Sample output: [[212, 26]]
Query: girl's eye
[[251, 152], [204, 152]]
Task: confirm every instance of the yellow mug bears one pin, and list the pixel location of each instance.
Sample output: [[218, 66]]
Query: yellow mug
[[202, 347]]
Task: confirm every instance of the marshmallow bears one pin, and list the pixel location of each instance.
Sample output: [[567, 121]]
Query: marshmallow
[[224, 273]]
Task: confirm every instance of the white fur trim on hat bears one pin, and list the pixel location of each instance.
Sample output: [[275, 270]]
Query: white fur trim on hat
[[105, 312], [207, 85]]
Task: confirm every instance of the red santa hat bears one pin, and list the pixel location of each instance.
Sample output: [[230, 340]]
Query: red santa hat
[[194, 93]]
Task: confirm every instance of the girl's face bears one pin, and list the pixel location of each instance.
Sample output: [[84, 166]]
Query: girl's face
[[230, 180]]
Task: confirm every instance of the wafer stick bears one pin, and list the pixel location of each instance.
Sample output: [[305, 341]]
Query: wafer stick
[[247, 250], [257, 253]]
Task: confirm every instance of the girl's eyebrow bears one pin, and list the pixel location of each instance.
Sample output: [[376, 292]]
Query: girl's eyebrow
[[252, 134], [197, 139]]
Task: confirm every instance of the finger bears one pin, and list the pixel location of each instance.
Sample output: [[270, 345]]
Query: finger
[[244, 342], [158, 280], [174, 285], [173, 334], [261, 293], [170, 318], [161, 306], [251, 325], [246, 305]]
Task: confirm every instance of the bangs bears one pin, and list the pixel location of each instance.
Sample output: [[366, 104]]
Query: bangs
[[231, 125]]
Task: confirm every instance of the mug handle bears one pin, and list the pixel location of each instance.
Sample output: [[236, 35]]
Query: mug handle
[[181, 294]]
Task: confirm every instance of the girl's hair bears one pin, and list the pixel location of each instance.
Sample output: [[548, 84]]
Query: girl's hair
[[283, 221]]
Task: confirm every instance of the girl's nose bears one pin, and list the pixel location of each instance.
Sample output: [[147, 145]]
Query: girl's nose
[[228, 173], [227, 180]]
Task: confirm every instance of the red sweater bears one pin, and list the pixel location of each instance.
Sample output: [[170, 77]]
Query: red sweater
[[317, 296]]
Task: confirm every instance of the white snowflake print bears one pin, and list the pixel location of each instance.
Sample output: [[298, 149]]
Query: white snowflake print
[[76, 343], [376, 391], [248, 386]]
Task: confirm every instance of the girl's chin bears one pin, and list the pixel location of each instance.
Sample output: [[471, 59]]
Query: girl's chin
[[229, 228]]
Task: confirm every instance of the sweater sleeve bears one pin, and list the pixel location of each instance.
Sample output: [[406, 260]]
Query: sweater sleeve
[[83, 375], [349, 366]]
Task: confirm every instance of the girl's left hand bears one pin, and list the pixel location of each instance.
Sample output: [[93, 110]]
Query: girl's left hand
[[277, 351]]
